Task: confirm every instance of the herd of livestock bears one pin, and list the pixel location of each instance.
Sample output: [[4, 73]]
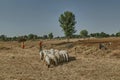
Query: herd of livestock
[[54, 56]]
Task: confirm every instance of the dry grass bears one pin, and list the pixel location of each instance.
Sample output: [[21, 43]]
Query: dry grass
[[89, 63], [115, 53]]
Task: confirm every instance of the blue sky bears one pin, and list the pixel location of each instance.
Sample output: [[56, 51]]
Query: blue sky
[[20, 17]]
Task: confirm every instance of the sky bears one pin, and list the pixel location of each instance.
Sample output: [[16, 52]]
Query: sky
[[22, 17]]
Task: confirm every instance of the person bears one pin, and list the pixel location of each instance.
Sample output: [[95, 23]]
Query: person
[[40, 45], [102, 46], [23, 45]]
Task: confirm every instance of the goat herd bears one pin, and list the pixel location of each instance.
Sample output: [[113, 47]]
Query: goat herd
[[54, 56]]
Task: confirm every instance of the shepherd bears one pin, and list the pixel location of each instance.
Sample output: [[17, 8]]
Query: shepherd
[[23, 45], [40, 46]]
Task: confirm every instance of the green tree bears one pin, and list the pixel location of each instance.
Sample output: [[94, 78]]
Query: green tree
[[112, 35], [31, 36], [93, 35], [3, 37], [99, 35], [14, 38], [67, 23], [103, 34], [84, 33], [45, 37], [50, 35], [118, 34]]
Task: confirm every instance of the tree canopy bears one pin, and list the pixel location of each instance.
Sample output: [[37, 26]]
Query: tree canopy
[[83, 33], [50, 35], [67, 23], [118, 34]]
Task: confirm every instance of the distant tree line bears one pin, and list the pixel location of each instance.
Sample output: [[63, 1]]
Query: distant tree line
[[25, 37], [83, 34]]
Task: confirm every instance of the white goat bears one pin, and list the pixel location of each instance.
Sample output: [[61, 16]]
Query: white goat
[[65, 55], [56, 53], [48, 57], [54, 56], [41, 55], [47, 60], [60, 56]]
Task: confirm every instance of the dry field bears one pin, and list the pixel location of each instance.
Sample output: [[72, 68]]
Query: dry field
[[89, 62]]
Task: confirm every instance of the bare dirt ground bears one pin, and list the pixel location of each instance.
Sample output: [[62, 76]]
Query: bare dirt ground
[[88, 63]]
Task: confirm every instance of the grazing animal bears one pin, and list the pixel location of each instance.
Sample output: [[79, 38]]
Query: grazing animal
[[49, 60], [48, 57], [53, 56], [41, 55], [65, 55], [102, 46], [56, 53]]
